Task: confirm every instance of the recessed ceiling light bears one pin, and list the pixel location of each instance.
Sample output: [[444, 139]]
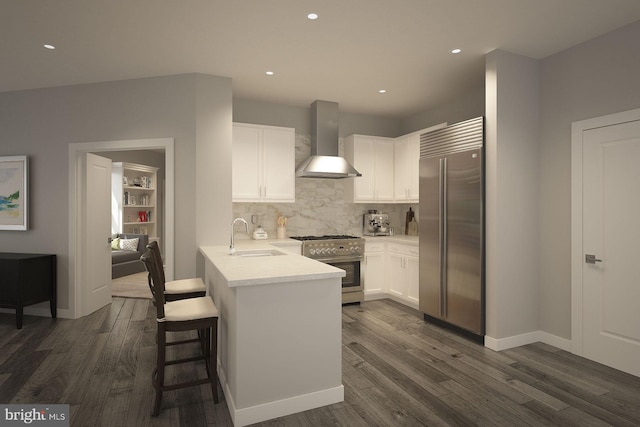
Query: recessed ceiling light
[[49, 46], [382, 91], [454, 51], [312, 16], [269, 73]]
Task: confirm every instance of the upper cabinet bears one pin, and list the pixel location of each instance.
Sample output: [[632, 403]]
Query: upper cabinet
[[372, 156], [263, 165], [390, 167], [406, 168]]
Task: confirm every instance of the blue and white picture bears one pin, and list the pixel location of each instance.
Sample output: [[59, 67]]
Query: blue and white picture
[[13, 193]]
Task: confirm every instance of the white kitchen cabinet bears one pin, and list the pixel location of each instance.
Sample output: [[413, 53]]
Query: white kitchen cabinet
[[407, 168], [374, 269], [403, 268], [263, 165], [372, 156], [134, 199]]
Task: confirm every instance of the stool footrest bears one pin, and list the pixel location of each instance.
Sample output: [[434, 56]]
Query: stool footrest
[[186, 384], [190, 359], [183, 341]]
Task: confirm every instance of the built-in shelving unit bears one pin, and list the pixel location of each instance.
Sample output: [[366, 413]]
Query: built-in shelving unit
[[134, 199]]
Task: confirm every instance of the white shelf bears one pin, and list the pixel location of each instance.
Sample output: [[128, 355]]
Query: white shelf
[[135, 187]]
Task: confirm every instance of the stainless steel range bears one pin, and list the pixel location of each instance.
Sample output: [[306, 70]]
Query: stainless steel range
[[345, 252]]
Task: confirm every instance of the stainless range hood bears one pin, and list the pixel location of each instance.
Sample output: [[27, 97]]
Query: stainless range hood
[[324, 161]]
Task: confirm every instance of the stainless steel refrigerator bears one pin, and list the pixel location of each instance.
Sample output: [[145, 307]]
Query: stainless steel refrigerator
[[452, 226]]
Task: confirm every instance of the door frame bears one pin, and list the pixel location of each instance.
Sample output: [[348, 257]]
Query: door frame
[[577, 130], [76, 210]]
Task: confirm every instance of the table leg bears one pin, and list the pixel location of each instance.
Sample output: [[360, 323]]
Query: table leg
[[19, 314], [54, 288], [52, 306]]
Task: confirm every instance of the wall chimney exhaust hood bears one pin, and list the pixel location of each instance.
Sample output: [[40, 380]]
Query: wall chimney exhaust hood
[[324, 161]]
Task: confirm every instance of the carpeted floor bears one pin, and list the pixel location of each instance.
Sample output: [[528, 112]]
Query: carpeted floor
[[132, 286]]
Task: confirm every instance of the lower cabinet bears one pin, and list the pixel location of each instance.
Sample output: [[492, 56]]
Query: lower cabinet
[[391, 270], [373, 270], [404, 272]]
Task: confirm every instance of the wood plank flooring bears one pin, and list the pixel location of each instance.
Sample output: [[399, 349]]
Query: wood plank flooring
[[397, 371]]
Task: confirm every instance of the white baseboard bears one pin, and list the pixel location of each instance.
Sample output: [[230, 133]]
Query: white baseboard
[[374, 295], [278, 408], [528, 338], [403, 301]]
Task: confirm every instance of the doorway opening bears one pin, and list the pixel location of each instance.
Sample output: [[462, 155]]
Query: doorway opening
[[77, 215]]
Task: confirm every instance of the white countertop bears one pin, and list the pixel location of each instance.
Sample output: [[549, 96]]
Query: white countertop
[[408, 240], [250, 271]]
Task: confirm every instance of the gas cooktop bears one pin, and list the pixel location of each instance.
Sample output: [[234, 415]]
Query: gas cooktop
[[325, 237]]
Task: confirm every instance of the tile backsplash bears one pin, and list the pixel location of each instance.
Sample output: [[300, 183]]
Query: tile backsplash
[[320, 207]]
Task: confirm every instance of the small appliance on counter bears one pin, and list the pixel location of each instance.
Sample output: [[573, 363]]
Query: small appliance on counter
[[375, 224], [258, 233]]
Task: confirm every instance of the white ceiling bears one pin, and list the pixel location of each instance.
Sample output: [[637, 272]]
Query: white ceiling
[[355, 48]]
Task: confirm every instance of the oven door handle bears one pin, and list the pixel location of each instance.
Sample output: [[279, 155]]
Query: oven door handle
[[339, 260]]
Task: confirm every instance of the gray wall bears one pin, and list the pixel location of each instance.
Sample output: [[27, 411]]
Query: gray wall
[[467, 107], [41, 123], [265, 113], [511, 158], [592, 79]]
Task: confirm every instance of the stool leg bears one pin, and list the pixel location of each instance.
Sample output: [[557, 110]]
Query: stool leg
[[213, 356], [158, 374]]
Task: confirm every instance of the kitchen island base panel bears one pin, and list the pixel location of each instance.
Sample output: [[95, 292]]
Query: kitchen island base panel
[[279, 345]]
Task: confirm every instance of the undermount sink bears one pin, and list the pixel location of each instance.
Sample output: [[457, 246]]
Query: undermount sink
[[258, 253]]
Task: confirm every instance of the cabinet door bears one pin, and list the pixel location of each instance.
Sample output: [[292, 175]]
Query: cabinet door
[[246, 168], [397, 279], [407, 168], [401, 173], [279, 165], [364, 162], [384, 171], [374, 272], [413, 167], [412, 265]]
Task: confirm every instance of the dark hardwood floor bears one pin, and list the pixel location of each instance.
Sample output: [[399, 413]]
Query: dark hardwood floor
[[397, 370]]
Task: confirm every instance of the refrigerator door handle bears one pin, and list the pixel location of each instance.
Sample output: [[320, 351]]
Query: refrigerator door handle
[[443, 237]]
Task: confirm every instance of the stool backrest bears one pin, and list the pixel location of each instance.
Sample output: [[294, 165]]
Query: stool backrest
[[153, 245], [156, 282]]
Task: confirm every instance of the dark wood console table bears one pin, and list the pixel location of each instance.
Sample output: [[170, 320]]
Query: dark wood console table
[[27, 279]]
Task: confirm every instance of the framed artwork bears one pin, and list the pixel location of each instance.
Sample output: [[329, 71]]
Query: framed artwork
[[14, 208]]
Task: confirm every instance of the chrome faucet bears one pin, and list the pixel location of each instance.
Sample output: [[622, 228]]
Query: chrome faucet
[[232, 248]]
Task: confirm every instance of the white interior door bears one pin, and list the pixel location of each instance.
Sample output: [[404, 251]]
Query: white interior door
[[611, 233], [97, 226]]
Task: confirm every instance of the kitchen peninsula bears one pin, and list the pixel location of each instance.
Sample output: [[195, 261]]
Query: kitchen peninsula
[[280, 330]]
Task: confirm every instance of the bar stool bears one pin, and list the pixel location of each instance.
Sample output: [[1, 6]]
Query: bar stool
[[176, 289], [192, 314]]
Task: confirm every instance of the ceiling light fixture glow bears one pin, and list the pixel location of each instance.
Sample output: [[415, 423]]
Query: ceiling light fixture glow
[[269, 73], [49, 46], [312, 16], [455, 51], [382, 91]]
